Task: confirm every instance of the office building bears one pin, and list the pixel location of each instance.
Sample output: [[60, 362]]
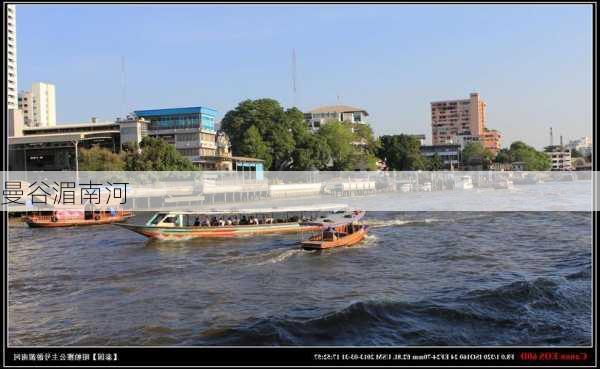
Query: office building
[[11, 53], [38, 105], [191, 130]]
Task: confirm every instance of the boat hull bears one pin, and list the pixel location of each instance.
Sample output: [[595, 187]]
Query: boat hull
[[348, 240], [186, 233]]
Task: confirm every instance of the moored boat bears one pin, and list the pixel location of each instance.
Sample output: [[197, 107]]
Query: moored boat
[[177, 225], [72, 218]]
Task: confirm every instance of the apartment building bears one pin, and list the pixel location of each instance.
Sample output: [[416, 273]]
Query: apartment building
[[450, 118], [315, 118], [560, 157], [38, 105], [11, 52]]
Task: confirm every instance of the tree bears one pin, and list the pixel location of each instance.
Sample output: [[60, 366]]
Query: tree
[[401, 152], [253, 145], [435, 163], [504, 156], [474, 153], [284, 136], [338, 137], [99, 159], [575, 154], [156, 154], [533, 159]]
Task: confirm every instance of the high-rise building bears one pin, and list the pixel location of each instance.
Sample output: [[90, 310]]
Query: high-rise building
[[450, 118], [38, 105], [11, 51], [461, 122]]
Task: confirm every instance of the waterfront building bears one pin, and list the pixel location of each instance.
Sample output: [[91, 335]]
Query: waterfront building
[[38, 105], [582, 145], [191, 130], [315, 118], [448, 153], [53, 148], [462, 121], [11, 62], [560, 157]]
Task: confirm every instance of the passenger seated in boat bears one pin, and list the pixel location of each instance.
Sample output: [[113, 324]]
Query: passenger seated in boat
[[255, 220], [229, 221], [206, 223], [236, 220], [244, 221], [221, 222], [169, 222], [214, 222], [197, 222], [329, 235]]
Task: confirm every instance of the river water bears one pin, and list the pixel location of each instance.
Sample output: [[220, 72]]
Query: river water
[[420, 278]]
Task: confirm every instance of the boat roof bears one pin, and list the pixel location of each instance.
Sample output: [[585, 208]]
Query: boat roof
[[289, 209]]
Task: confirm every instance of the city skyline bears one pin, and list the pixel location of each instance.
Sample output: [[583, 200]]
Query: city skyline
[[390, 60]]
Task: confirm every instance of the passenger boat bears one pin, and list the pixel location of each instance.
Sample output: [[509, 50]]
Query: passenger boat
[[184, 225], [347, 234], [75, 217]]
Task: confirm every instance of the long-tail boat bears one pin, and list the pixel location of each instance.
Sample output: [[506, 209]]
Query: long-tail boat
[[184, 225]]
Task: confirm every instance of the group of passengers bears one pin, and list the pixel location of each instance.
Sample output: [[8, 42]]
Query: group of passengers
[[235, 220]]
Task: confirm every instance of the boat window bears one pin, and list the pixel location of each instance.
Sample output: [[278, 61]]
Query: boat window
[[157, 218], [169, 219]]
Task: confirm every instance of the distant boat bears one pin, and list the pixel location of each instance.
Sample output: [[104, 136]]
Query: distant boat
[[464, 183], [503, 184], [178, 225], [426, 187]]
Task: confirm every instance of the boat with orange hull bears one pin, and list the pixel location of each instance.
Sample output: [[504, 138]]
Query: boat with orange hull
[[185, 225], [342, 235], [58, 219]]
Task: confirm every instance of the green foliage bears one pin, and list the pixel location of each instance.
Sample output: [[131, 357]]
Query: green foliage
[[504, 156], [533, 159], [401, 152], [575, 154], [474, 153], [156, 154], [253, 145], [99, 159], [338, 137], [435, 163]]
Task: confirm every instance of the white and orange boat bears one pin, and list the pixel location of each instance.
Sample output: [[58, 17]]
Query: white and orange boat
[[336, 235], [184, 225]]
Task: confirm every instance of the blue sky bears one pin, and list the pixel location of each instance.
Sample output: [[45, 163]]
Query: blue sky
[[531, 64]]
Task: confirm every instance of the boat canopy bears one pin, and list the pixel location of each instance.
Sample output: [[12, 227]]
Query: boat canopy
[[291, 209]]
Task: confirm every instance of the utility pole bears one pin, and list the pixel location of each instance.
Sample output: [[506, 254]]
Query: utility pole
[[294, 87], [123, 87]]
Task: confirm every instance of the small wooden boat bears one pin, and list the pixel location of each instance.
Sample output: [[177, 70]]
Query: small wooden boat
[[185, 225], [61, 218], [343, 235]]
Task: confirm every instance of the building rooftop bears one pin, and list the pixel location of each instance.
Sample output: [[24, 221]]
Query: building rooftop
[[337, 109], [175, 111]]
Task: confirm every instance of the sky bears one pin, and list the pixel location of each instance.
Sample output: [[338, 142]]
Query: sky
[[532, 64]]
